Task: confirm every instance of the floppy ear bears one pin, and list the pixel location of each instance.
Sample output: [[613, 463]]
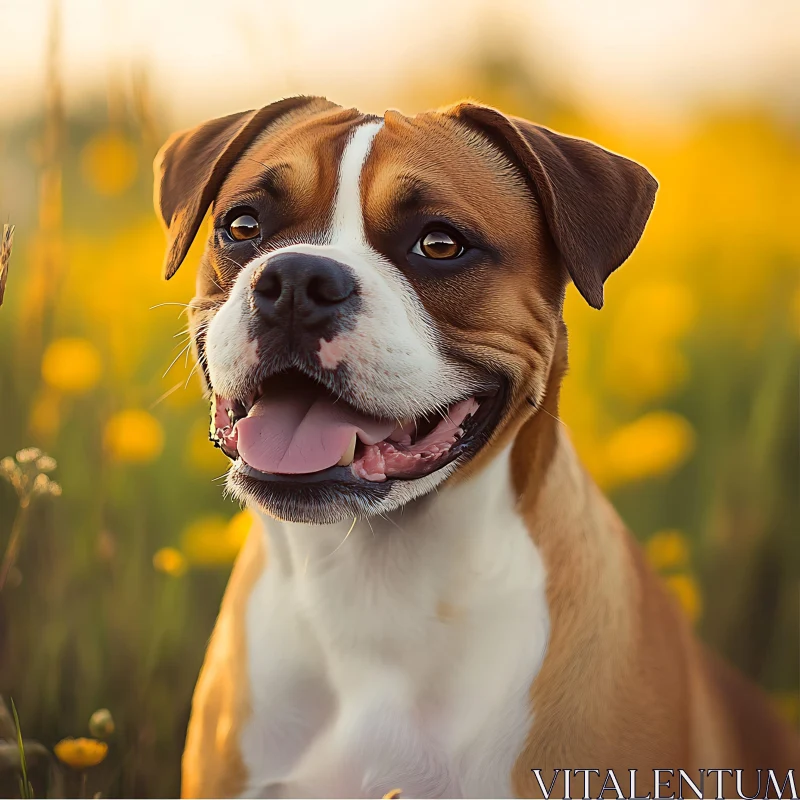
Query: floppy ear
[[190, 168], [595, 202]]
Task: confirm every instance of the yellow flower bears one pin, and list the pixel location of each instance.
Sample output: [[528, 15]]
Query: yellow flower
[[658, 310], [134, 436], [109, 163], [686, 591], [170, 561], [639, 372], [71, 365], [212, 541], [652, 445], [641, 359], [80, 753], [393, 795], [668, 550]]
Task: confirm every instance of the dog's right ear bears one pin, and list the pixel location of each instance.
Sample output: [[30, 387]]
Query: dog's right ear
[[190, 168], [595, 202]]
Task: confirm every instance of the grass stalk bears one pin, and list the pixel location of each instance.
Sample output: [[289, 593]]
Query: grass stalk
[[14, 541], [6, 243], [25, 786]]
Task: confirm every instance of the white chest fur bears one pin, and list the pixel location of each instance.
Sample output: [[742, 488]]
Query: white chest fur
[[400, 655]]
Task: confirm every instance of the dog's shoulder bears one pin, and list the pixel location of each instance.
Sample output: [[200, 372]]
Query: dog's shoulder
[[212, 763]]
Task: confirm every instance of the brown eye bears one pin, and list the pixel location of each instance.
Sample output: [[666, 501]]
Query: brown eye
[[438, 244], [244, 227]]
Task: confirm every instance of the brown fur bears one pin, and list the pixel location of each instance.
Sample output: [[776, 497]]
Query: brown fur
[[624, 684], [212, 763]]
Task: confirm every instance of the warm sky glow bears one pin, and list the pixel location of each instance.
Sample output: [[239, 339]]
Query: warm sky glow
[[208, 57]]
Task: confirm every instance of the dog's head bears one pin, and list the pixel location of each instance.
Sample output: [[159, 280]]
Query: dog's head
[[380, 298]]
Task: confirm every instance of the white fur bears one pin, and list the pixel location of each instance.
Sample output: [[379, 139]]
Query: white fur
[[358, 686], [231, 355]]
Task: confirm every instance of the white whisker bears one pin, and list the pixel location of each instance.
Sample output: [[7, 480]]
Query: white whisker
[[346, 536], [165, 395], [174, 360]]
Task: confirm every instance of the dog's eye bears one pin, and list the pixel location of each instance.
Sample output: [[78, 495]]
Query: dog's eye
[[439, 245], [244, 227]]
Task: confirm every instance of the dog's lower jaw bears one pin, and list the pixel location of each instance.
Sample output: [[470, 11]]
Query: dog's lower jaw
[[294, 502]]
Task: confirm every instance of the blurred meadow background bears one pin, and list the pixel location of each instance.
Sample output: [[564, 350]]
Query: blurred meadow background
[[682, 396]]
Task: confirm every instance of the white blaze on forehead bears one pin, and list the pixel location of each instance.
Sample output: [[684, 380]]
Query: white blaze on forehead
[[347, 226], [348, 216]]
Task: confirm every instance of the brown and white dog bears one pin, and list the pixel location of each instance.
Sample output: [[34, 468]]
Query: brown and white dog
[[438, 598]]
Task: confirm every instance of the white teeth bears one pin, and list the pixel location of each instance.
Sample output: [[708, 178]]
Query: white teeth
[[349, 454]]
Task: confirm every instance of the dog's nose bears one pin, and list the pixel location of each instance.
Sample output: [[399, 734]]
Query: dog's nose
[[307, 291]]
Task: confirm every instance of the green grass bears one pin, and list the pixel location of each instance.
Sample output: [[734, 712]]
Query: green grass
[[25, 786]]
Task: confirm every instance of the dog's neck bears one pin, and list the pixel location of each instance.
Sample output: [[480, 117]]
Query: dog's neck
[[304, 552]]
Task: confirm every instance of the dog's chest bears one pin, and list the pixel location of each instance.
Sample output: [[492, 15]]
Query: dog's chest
[[402, 659]]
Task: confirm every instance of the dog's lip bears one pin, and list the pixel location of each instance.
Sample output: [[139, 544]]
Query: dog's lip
[[470, 443]]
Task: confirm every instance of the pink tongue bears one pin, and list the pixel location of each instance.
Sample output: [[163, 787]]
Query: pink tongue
[[296, 433]]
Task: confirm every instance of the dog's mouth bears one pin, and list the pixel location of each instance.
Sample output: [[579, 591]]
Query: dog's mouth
[[295, 429]]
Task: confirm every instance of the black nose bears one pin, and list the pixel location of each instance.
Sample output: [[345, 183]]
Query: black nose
[[309, 292]]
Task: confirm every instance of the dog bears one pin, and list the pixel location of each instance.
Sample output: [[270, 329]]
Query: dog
[[436, 596]]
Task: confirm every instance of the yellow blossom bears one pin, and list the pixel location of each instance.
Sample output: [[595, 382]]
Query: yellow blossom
[[170, 561], [212, 541], [134, 436], [659, 310], [652, 445], [668, 550], [109, 163], [641, 371], [393, 795], [686, 591], [641, 359], [80, 753], [71, 365]]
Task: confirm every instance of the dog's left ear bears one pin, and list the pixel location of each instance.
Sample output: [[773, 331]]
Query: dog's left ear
[[595, 202], [190, 168]]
